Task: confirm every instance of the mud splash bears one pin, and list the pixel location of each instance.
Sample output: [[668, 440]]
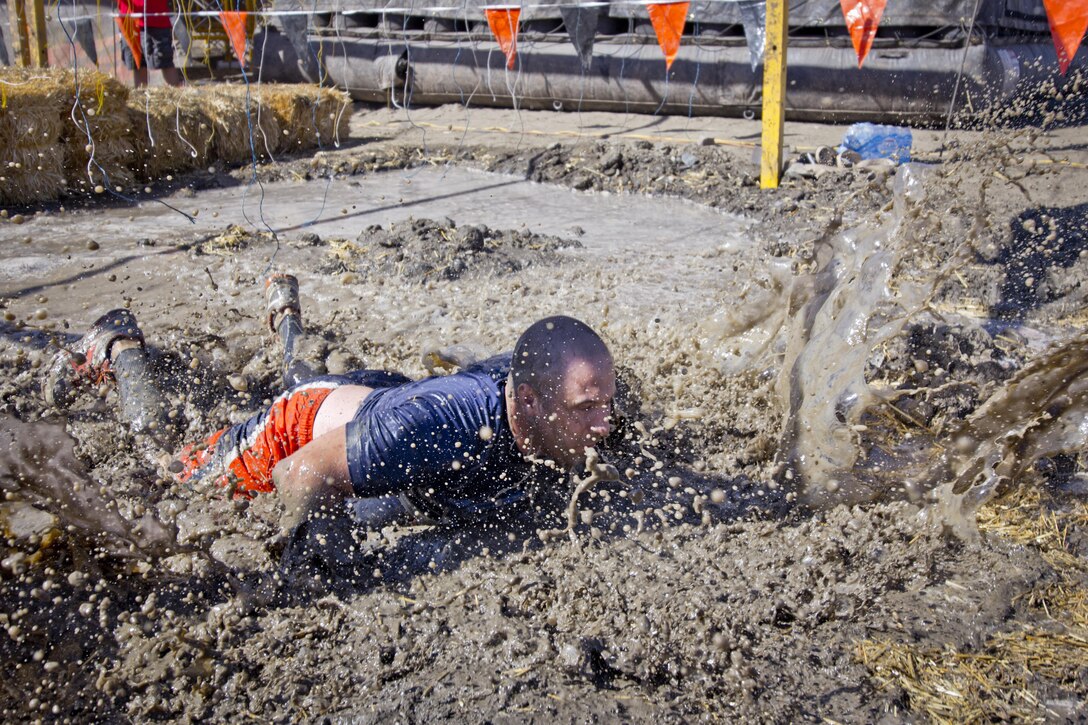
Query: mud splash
[[843, 440], [1041, 413], [40, 472]]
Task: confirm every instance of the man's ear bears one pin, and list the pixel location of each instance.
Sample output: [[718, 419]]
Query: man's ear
[[527, 399]]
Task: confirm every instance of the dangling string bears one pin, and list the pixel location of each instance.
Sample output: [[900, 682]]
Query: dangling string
[[623, 71], [177, 126], [460, 92], [511, 88], [318, 56], [255, 176], [406, 95], [959, 77], [147, 119], [694, 81]]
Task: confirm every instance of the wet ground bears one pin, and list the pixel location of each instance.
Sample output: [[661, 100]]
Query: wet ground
[[811, 369]]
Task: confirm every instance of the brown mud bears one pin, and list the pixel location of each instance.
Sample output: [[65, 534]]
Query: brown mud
[[791, 434]]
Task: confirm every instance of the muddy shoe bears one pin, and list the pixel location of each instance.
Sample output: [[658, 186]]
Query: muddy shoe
[[848, 159], [87, 363], [825, 156], [281, 296]]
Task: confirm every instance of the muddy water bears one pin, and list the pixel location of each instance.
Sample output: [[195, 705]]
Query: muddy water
[[861, 294], [687, 591], [613, 229], [341, 208], [819, 332]]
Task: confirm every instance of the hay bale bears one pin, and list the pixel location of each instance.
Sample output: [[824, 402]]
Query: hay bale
[[91, 102], [31, 169], [170, 131], [108, 161], [106, 136], [236, 116], [94, 136], [99, 150], [310, 116], [32, 106], [55, 110], [30, 174], [94, 89]]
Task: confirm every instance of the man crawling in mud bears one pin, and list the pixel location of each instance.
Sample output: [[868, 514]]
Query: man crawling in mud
[[443, 449]]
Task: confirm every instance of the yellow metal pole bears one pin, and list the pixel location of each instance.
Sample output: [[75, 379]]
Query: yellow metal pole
[[774, 92], [39, 45], [20, 40]]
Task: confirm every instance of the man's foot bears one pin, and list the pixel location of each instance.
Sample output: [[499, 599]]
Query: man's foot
[[87, 362], [281, 297]]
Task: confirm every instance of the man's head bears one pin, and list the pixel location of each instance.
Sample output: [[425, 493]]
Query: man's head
[[561, 385]]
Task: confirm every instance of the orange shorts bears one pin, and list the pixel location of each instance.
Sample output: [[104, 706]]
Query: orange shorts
[[242, 456]]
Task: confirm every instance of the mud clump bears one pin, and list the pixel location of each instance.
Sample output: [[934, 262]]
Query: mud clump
[[934, 374], [232, 240], [422, 250]]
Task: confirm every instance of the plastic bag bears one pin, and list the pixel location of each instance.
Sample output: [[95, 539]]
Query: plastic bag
[[876, 141]]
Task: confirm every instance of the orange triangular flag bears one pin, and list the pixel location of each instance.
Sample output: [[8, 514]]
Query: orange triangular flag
[[1068, 20], [130, 31], [234, 22], [862, 18], [504, 25], [668, 20]]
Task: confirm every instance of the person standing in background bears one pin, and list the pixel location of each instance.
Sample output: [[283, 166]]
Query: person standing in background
[[153, 34]]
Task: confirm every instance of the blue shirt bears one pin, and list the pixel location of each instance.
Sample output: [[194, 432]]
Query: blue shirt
[[443, 441]]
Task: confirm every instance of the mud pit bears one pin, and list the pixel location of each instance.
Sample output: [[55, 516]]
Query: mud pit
[[863, 338]]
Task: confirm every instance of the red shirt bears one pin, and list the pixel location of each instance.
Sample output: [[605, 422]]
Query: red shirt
[[158, 12]]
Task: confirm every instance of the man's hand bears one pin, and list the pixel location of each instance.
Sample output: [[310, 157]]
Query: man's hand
[[329, 545]]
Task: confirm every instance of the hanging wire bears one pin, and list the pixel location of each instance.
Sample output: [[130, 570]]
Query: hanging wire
[[254, 178], [406, 93], [959, 77], [665, 93], [186, 6], [511, 88], [465, 102], [623, 71], [177, 127], [694, 81], [318, 55], [584, 81]]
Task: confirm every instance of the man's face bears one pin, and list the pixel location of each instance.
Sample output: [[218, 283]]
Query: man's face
[[577, 414]]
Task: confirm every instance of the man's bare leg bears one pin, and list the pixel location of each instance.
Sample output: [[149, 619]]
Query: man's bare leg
[[143, 407], [172, 76]]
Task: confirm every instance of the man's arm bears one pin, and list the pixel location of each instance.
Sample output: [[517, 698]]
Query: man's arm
[[314, 478]]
